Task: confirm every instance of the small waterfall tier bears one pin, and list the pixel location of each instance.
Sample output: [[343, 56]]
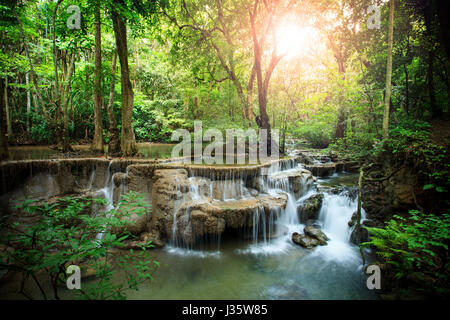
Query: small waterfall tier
[[192, 206]]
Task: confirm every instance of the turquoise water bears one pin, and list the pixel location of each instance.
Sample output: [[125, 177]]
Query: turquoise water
[[280, 270], [235, 273]]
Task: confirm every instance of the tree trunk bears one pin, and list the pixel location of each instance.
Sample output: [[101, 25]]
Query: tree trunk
[[27, 78], [4, 155], [66, 89], [38, 98], [128, 140], [60, 119], [97, 143], [248, 107], [262, 120], [406, 89], [114, 143], [341, 126], [283, 141], [8, 114], [387, 102]]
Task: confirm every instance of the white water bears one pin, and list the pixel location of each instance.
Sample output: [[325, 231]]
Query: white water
[[336, 212], [270, 266], [107, 193], [91, 179], [271, 234]]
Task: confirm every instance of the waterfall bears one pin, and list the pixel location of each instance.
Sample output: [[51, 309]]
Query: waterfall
[[107, 192], [337, 210], [269, 231], [259, 227], [91, 179]]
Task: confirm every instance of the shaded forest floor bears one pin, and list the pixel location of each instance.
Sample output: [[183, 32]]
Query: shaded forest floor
[[440, 130]]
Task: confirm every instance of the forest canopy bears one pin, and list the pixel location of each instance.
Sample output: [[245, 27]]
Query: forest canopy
[[119, 71]]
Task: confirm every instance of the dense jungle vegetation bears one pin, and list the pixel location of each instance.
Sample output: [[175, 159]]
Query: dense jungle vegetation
[[367, 80]]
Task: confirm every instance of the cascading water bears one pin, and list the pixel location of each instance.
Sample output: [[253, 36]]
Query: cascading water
[[270, 266], [91, 179], [337, 210], [271, 232], [107, 193]]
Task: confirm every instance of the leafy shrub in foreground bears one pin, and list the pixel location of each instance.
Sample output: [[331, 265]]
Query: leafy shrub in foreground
[[418, 243], [68, 234]]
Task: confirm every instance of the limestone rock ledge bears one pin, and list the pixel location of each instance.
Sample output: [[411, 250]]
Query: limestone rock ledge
[[174, 202]]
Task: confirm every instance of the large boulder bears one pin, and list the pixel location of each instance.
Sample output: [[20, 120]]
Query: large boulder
[[169, 189], [136, 220], [313, 223], [322, 170], [363, 236], [300, 180], [310, 208], [194, 220], [179, 215], [304, 240], [316, 233]]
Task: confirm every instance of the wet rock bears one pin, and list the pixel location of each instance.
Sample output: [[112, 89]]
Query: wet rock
[[305, 158], [364, 236], [169, 187], [304, 240], [136, 223], [351, 166], [310, 208], [370, 223], [364, 233], [313, 223], [300, 180], [322, 170], [317, 234], [340, 166], [352, 221], [253, 192], [152, 237]]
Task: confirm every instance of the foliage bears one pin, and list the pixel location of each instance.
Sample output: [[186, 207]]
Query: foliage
[[416, 243], [156, 120], [356, 145], [68, 234], [317, 133], [410, 139]]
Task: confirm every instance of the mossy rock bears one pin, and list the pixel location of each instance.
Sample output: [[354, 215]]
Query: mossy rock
[[310, 208]]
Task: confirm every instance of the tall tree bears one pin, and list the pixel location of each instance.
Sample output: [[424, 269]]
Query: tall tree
[[114, 143], [97, 142], [128, 140], [266, 13], [254, 30], [62, 88], [387, 102]]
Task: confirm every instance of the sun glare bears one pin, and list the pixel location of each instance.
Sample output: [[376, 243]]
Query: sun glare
[[294, 40]]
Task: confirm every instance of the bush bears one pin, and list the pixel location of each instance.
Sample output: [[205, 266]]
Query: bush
[[418, 243], [356, 145], [410, 139], [66, 234], [318, 134], [41, 132], [154, 121]]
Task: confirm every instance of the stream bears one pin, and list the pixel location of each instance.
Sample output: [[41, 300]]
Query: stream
[[268, 266], [259, 261]]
